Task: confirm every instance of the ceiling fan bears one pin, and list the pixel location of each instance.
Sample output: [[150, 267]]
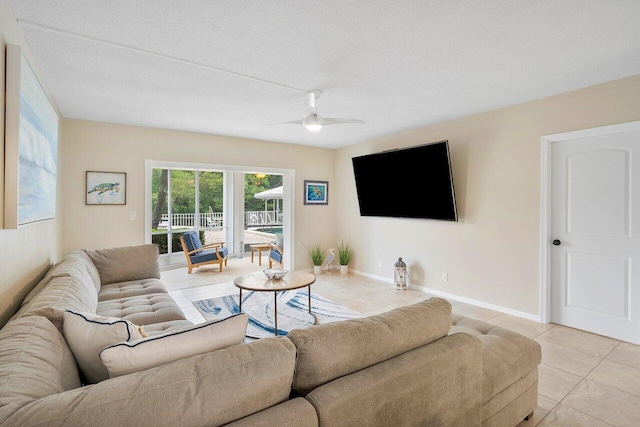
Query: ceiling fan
[[314, 122]]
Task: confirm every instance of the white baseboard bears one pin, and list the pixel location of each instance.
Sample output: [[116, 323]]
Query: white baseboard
[[472, 301]]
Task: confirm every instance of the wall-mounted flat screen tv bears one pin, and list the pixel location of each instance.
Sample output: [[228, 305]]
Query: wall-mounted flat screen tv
[[413, 182]]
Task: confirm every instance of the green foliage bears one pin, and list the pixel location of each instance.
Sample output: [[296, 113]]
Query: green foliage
[[161, 241], [211, 189], [254, 185], [317, 254], [345, 253], [182, 193]]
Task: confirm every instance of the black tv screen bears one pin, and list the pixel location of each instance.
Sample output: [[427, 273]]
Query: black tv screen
[[414, 182]]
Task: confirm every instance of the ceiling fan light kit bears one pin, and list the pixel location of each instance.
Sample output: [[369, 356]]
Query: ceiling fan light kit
[[314, 122]]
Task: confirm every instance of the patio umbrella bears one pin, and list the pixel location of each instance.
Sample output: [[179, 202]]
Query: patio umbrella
[[273, 193]]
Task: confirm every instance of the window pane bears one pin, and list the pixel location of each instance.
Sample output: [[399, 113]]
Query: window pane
[[159, 208], [183, 205], [211, 193], [263, 208]]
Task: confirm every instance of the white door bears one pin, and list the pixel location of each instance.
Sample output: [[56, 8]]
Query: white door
[[595, 250]]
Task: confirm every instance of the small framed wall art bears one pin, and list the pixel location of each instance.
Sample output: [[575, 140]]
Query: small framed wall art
[[316, 192], [106, 188]]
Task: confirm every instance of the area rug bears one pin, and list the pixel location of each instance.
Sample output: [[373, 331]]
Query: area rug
[[293, 312]]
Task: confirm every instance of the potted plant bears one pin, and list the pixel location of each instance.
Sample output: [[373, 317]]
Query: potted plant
[[317, 254], [345, 253]]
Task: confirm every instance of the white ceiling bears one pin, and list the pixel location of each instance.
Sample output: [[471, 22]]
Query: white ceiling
[[232, 67]]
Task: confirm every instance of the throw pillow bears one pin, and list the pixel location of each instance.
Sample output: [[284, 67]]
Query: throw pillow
[[127, 357], [87, 334]]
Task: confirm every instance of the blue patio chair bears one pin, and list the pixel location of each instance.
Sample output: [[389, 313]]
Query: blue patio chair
[[199, 255], [275, 256]]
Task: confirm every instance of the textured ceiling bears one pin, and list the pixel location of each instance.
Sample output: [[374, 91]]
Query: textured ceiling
[[234, 67]]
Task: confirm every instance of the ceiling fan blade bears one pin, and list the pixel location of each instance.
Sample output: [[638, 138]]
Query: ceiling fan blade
[[336, 121], [295, 122]]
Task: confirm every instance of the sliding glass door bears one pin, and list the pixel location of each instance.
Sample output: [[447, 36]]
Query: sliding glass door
[[237, 205], [185, 200], [263, 214]]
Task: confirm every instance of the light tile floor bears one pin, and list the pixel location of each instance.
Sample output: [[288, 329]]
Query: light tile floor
[[584, 379]]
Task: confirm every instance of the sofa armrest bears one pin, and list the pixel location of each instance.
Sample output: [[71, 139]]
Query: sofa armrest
[[439, 384], [126, 263], [197, 391]]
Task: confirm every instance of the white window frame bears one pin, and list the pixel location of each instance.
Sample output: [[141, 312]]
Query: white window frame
[[233, 210]]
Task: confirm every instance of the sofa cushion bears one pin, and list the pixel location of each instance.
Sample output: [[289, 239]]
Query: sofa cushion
[[128, 357], [142, 309], [131, 288], [329, 351], [87, 334], [437, 384], [126, 263], [34, 362], [506, 356], [75, 264], [296, 412], [82, 256], [163, 327], [202, 390], [60, 294]]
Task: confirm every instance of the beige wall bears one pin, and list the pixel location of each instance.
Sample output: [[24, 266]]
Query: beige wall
[[492, 253], [107, 147], [25, 253]]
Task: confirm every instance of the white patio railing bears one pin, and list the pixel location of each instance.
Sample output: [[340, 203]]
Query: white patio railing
[[188, 220], [258, 218], [213, 220]]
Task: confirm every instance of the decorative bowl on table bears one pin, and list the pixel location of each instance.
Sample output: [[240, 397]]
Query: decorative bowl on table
[[274, 273]]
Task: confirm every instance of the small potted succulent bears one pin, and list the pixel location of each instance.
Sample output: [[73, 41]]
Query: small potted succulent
[[345, 253], [317, 254]]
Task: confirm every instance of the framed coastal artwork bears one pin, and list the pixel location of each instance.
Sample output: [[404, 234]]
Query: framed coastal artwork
[[316, 192], [31, 145], [106, 188]]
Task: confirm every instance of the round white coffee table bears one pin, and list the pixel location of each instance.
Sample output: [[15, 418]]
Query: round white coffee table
[[257, 282]]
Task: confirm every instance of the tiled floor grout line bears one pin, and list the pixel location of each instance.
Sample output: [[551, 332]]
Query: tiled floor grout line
[[584, 378], [549, 413], [577, 410], [560, 401]]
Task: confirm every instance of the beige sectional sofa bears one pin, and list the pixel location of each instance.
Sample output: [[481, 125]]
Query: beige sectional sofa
[[415, 365]]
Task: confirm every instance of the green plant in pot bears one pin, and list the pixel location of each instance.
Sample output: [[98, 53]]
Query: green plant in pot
[[345, 253], [318, 255]]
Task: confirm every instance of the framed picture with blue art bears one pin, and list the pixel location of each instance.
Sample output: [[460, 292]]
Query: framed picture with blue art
[[316, 192], [31, 145], [106, 188]]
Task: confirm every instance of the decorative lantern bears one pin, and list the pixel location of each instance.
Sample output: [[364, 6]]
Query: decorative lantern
[[400, 275]]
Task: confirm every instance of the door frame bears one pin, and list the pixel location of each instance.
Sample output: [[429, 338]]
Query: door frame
[[546, 205], [288, 191]]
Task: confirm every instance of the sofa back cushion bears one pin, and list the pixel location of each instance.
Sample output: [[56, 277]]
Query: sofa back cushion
[[34, 362], [126, 263], [60, 294], [209, 389], [332, 350], [81, 256], [75, 264]]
